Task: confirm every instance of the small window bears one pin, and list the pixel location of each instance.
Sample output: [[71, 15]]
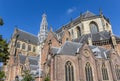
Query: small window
[[34, 49], [66, 39], [78, 31], [107, 26], [72, 31], [69, 33], [29, 47], [117, 70], [18, 44], [23, 46]]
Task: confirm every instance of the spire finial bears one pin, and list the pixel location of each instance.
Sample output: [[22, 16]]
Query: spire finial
[[100, 11], [80, 15], [43, 28], [51, 28]]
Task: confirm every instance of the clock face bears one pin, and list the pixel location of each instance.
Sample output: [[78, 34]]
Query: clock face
[[86, 53]]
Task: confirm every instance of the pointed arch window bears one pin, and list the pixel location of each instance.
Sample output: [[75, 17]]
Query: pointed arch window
[[78, 32], [72, 31], [88, 71], [104, 72], [34, 49], [18, 44], [23, 46], [69, 71], [93, 27], [29, 47], [117, 70]]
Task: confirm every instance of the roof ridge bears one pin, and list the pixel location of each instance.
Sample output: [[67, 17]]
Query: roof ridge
[[88, 12], [26, 32]]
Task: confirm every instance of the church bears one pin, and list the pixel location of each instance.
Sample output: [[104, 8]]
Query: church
[[84, 49]]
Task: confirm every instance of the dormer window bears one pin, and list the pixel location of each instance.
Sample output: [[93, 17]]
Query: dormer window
[[95, 53]]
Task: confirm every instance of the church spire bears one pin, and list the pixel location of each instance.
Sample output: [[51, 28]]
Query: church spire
[[44, 23], [43, 29]]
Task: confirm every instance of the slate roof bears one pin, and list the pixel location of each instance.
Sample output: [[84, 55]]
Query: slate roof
[[54, 50], [88, 14], [26, 37], [33, 63], [34, 67], [60, 34], [85, 16], [69, 48], [33, 60], [22, 58], [104, 35], [99, 52]]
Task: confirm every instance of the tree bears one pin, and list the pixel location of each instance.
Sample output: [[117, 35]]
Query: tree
[[1, 22], [2, 75], [27, 76], [4, 54], [47, 78]]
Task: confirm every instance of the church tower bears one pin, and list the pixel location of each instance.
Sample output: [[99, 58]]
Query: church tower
[[43, 29]]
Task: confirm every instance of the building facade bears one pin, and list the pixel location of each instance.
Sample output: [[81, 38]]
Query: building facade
[[24, 49], [85, 49]]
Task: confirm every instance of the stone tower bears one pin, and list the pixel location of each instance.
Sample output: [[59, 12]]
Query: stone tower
[[43, 29]]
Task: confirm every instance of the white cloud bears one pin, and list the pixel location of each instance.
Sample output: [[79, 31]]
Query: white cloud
[[70, 10]]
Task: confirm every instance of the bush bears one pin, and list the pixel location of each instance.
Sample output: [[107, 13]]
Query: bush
[[47, 78]]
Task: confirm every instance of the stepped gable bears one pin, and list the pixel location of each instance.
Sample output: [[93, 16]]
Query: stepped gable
[[26, 37]]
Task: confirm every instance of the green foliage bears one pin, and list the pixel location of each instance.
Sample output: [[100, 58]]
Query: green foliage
[[27, 76], [2, 75], [47, 78], [1, 22], [4, 55]]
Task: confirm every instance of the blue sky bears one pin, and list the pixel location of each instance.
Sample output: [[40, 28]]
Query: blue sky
[[26, 14]]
